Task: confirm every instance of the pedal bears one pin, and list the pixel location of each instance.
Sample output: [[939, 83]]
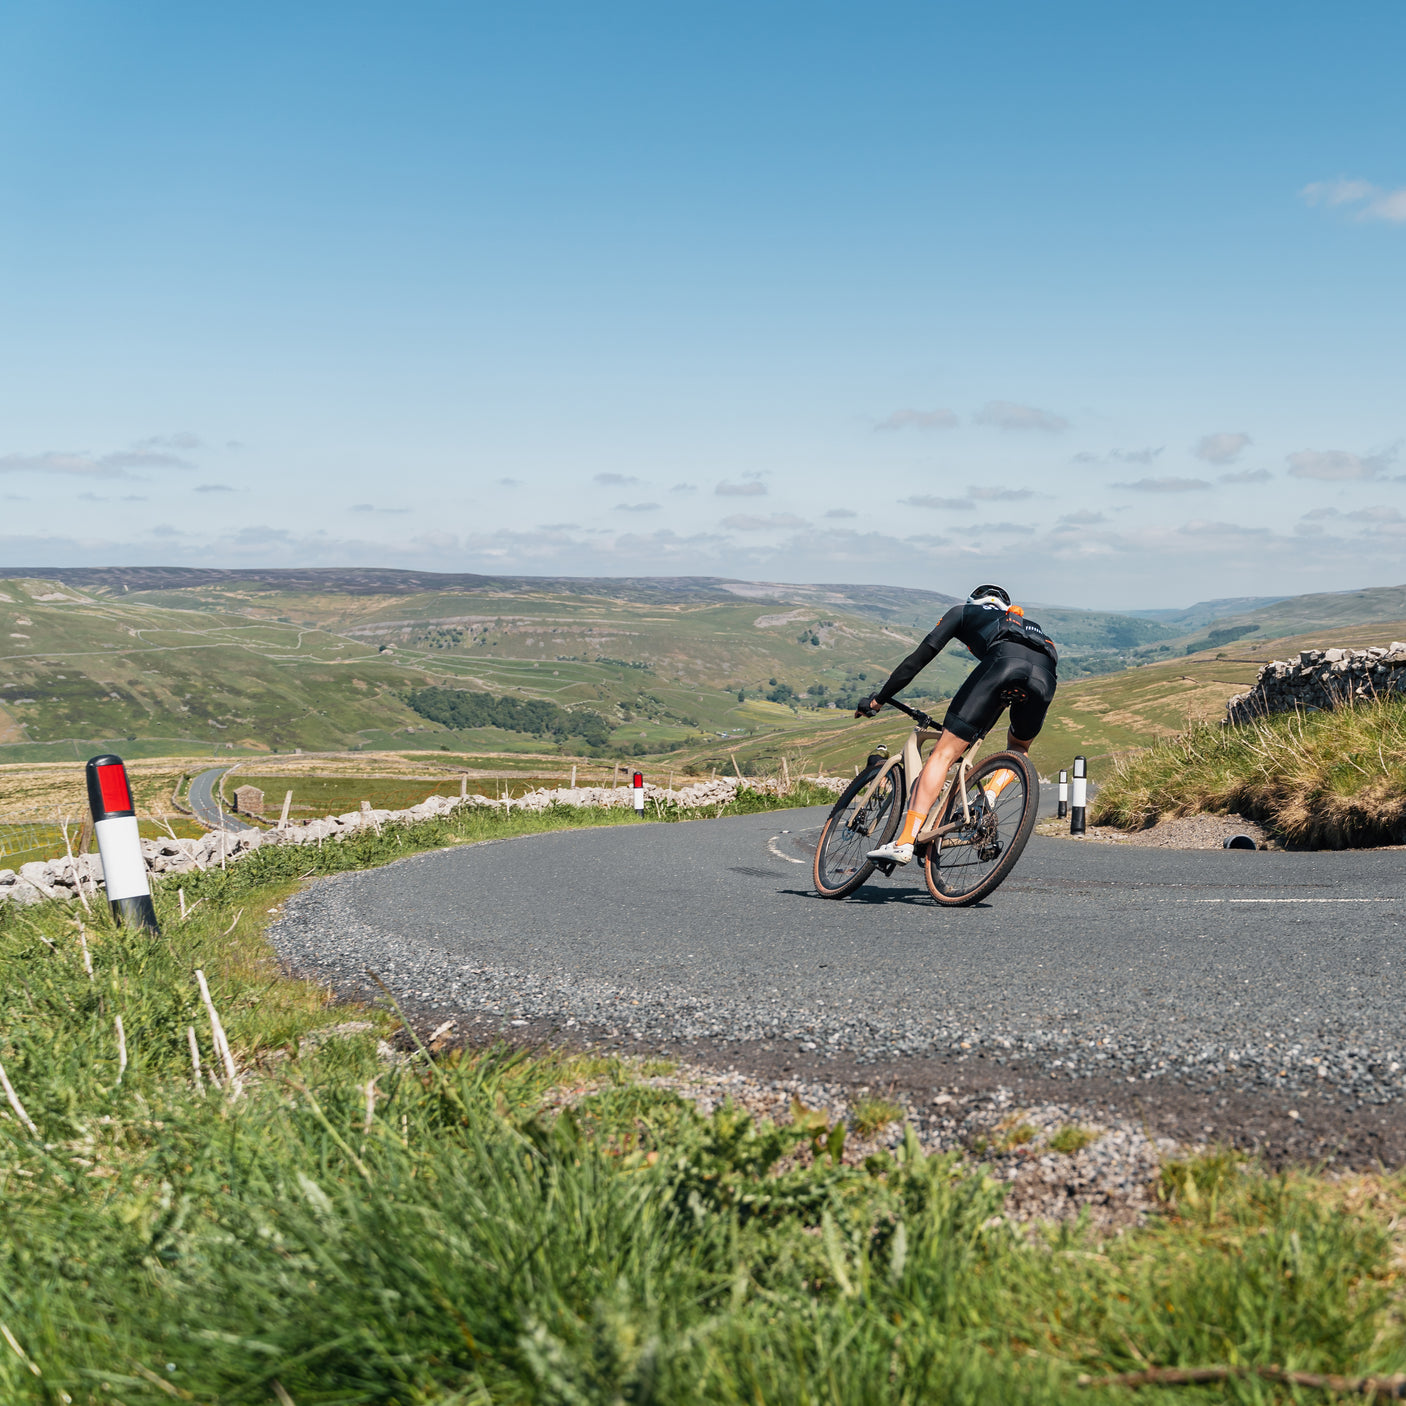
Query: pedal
[[886, 865]]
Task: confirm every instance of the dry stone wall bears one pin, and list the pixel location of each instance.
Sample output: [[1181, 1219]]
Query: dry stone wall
[[1322, 678], [61, 878]]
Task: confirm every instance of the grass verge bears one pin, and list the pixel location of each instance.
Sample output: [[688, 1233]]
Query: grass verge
[[354, 1231], [1327, 780]]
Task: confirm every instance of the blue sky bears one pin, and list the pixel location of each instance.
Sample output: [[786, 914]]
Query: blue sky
[[1104, 301]]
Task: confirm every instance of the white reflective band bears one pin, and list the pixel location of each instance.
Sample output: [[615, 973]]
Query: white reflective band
[[124, 869], [1064, 790], [1081, 787]]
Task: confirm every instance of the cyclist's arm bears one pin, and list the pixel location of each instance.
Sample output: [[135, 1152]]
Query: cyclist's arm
[[932, 645]]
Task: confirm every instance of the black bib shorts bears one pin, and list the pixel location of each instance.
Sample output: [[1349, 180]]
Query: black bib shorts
[[1011, 673]]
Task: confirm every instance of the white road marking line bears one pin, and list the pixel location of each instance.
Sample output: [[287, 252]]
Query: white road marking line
[[1285, 900], [771, 845]]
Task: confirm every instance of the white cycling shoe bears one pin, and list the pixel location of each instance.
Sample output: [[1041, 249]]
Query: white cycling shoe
[[898, 854]]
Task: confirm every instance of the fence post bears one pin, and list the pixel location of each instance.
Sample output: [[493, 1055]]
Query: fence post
[[637, 790], [1062, 809], [119, 843], [1076, 808]]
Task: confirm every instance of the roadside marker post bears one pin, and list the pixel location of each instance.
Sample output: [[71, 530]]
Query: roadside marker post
[[1062, 809], [1079, 796], [637, 791], [119, 844]]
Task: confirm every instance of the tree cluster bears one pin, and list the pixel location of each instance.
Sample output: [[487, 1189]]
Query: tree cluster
[[460, 709]]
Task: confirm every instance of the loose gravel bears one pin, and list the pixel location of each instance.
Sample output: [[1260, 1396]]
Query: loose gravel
[[1107, 1170], [1180, 832]]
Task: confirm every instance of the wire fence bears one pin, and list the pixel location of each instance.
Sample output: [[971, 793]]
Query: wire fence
[[35, 836]]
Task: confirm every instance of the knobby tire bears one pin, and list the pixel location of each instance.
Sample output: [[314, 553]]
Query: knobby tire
[[955, 872], [840, 865]]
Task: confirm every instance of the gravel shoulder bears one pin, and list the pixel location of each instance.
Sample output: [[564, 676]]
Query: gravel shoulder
[[1249, 998], [1182, 832]]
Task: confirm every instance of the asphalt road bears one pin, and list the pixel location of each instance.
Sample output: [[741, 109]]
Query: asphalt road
[[208, 810], [1230, 971]]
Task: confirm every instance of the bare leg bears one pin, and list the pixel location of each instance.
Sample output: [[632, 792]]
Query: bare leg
[[1014, 744], [949, 747]]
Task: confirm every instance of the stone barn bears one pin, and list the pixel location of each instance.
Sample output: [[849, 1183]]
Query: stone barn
[[249, 800]]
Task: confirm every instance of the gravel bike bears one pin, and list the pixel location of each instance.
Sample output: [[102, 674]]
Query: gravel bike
[[969, 842]]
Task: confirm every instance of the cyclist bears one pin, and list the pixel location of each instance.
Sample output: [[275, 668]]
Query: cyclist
[[1017, 661]]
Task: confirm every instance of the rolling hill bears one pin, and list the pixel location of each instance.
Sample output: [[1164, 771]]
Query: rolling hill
[[178, 661], [187, 659]]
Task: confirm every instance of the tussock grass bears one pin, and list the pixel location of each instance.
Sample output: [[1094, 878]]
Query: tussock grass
[[353, 1231], [1070, 1139], [872, 1115], [1331, 780]]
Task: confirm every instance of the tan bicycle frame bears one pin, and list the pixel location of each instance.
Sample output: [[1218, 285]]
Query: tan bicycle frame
[[912, 758]]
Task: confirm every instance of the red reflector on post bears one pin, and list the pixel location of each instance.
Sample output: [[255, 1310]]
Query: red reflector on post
[[639, 778], [112, 787]]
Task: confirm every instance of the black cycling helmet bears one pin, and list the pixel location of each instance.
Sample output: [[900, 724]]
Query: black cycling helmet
[[989, 592]]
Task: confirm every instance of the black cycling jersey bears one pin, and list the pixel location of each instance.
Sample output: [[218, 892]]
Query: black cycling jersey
[[981, 626]]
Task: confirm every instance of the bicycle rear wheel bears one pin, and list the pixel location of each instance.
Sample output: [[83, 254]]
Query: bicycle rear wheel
[[1003, 794], [852, 830]]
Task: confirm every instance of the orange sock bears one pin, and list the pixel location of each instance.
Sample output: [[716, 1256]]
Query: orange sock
[[912, 823]]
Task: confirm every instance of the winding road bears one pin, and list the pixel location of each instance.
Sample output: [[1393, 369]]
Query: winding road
[[204, 801], [1141, 972]]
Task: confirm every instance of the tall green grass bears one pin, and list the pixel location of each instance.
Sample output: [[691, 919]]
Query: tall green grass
[[348, 1230], [1323, 779]]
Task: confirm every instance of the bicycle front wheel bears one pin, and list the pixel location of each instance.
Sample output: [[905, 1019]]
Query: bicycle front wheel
[[854, 829], [1003, 794]]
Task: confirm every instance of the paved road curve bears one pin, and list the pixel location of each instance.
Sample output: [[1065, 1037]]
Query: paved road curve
[[1254, 971], [208, 810]]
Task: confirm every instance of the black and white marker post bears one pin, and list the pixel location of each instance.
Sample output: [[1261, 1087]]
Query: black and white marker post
[[637, 790], [1062, 809], [1076, 801], [119, 844]]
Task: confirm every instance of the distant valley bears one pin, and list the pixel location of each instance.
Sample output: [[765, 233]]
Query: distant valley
[[167, 660]]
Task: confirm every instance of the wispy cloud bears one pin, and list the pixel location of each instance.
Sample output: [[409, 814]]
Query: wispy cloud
[[1007, 415], [637, 507], [183, 441], [1368, 201], [1120, 456], [1337, 465], [614, 480], [841, 513], [214, 488], [372, 508], [918, 420], [1083, 517], [752, 488], [1222, 448], [1000, 495], [509, 483], [746, 522], [949, 505], [684, 488], [1165, 485], [118, 464], [1247, 476]]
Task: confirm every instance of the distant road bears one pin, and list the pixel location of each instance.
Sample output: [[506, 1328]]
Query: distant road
[[203, 792]]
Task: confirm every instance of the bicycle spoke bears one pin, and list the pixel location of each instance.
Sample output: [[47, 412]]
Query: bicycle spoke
[[966, 859], [852, 832]]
